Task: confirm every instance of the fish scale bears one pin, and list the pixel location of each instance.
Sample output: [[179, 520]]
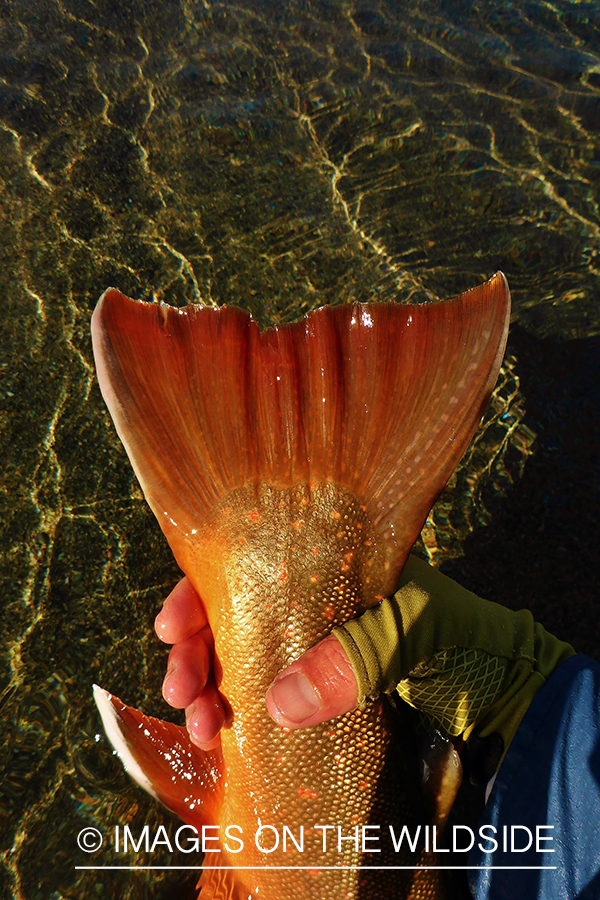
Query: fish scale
[[266, 539], [291, 472]]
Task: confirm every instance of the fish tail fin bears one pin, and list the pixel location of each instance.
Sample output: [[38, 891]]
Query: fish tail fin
[[163, 760], [381, 399]]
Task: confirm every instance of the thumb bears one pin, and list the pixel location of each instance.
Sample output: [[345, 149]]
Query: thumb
[[320, 685]]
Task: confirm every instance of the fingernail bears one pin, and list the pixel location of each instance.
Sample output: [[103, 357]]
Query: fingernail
[[168, 691], [295, 696], [159, 626]]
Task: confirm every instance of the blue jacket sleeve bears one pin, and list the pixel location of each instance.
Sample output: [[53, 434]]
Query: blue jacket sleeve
[[543, 812]]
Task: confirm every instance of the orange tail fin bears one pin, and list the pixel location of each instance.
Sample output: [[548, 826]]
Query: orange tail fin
[[163, 760], [381, 399]]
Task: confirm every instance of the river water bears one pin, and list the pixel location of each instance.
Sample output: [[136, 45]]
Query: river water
[[277, 156]]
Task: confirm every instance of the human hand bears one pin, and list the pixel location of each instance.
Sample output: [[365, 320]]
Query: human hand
[[191, 680], [319, 685], [448, 652]]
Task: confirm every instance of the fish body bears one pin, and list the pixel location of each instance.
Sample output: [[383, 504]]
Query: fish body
[[306, 558], [291, 471]]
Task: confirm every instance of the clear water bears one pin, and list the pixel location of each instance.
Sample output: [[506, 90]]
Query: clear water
[[279, 157]]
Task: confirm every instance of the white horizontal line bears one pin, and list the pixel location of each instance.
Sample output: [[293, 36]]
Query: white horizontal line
[[290, 868]]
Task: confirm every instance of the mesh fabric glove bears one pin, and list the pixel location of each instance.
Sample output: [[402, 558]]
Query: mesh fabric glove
[[463, 661]]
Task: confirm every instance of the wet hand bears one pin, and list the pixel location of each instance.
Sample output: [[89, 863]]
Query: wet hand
[[190, 680], [320, 685]]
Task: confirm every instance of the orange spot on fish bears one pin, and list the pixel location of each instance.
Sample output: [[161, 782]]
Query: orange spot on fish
[[364, 785], [254, 515], [314, 578], [313, 872], [307, 794], [315, 551], [344, 567], [336, 514], [283, 573], [289, 632], [329, 613]]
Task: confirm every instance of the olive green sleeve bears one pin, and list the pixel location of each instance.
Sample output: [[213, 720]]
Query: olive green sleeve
[[463, 661]]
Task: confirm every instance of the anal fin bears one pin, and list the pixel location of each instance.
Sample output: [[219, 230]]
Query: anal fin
[[221, 884], [163, 760]]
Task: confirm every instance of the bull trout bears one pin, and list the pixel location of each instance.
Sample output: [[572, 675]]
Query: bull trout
[[291, 471]]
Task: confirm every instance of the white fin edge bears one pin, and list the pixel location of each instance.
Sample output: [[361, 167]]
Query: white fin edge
[[112, 727]]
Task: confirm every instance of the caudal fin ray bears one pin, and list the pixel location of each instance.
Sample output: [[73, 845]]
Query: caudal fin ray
[[381, 399]]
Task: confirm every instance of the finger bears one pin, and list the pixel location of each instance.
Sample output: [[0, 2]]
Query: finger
[[205, 717], [319, 686], [188, 669], [182, 614]]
